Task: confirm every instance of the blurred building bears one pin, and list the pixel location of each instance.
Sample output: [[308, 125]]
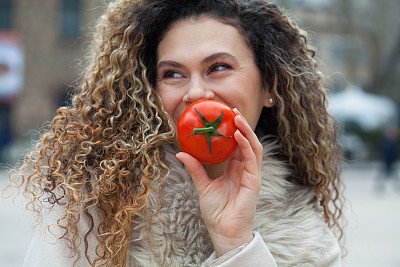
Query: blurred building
[[53, 36]]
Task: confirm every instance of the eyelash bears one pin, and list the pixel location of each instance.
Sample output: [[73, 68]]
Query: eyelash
[[218, 64], [167, 73]]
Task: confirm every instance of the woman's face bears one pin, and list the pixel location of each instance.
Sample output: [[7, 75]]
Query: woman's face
[[204, 58]]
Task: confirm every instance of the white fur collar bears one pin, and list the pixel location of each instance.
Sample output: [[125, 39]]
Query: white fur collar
[[286, 217]]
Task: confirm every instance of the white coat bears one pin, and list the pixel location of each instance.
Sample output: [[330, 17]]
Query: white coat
[[289, 228]]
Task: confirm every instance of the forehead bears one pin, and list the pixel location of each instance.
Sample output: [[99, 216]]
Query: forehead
[[201, 33], [234, 22]]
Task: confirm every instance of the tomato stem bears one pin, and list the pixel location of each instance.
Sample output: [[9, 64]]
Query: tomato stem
[[203, 130]]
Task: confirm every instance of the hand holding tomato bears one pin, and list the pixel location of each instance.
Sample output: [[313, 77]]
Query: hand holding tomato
[[228, 203]]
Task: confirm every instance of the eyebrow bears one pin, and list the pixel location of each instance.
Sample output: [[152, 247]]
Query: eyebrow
[[216, 56], [211, 58], [169, 63]]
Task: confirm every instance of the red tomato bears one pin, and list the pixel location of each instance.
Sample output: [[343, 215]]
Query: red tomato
[[205, 131]]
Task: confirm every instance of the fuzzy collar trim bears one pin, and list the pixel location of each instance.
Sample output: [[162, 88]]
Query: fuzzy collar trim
[[286, 218]]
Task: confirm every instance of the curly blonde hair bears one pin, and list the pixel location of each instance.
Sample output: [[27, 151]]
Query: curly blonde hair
[[105, 151]]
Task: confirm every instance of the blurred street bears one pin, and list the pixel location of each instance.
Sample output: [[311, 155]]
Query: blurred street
[[373, 234], [373, 214]]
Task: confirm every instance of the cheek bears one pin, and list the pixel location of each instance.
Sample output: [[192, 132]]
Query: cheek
[[252, 110], [257, 112], [255, 119]]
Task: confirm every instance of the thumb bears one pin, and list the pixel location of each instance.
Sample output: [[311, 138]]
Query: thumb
[[196, 170]]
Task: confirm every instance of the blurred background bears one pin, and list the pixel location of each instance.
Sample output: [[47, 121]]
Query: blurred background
[[42, 44]]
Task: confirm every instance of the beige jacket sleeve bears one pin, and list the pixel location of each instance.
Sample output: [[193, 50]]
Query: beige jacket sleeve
[[252, 254], [48, 250], [256, 253], [43, 253]]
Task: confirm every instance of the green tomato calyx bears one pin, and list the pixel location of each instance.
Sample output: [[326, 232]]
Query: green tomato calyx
[[210, 128]]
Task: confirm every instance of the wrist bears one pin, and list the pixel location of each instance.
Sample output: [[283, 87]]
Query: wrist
[[223, 244]]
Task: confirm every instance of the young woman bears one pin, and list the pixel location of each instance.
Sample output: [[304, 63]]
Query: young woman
[[107, 176]]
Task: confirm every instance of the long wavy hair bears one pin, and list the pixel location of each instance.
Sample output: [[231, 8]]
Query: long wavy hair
[[105, 150]]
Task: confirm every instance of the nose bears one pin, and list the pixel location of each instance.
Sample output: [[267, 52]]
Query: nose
[[198, 90]]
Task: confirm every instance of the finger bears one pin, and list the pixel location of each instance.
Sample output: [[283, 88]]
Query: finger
[[252, 179], [249, 134], [249, 157], [236, 111], [247, 131], [196, 170]]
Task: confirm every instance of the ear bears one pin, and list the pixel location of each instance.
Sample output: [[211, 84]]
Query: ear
[[269, 99]]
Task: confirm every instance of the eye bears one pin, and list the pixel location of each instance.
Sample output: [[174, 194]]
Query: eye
[[219, 67], [171, 74]]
